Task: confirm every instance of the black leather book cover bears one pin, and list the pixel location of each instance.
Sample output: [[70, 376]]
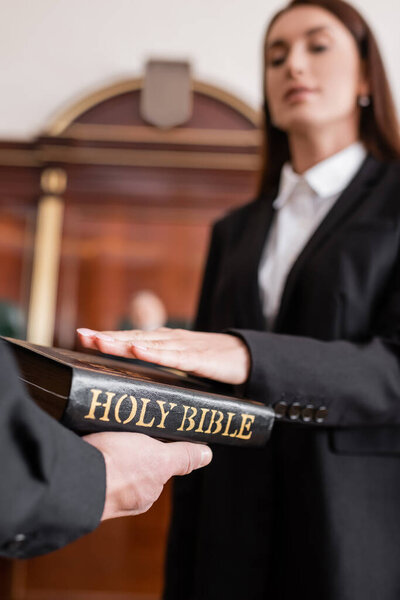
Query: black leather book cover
[[90, 393]]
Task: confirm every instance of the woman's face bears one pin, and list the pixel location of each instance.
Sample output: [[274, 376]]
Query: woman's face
[[313, 71]]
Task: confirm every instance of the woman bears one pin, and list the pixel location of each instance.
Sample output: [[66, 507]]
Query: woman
[[306, 279]]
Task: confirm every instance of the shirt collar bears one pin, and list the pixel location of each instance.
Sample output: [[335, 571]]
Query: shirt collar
[[327, 178]]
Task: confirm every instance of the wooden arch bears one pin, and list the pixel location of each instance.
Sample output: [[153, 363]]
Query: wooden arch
[[111, 161], [59, 124]]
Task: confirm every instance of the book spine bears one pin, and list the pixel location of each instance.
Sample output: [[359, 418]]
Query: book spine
[[104, 403]]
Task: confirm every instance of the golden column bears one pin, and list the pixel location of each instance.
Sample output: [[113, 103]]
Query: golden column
[[46, 258]]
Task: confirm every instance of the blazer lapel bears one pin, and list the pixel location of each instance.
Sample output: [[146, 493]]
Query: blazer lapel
[[247, 296], [346, 203]]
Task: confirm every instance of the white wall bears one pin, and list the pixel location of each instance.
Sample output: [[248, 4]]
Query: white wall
[[54, 51]]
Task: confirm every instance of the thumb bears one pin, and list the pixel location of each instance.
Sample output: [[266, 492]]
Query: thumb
[[186, 457]]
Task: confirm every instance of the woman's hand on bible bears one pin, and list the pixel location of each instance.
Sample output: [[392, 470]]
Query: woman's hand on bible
[[219, 356]]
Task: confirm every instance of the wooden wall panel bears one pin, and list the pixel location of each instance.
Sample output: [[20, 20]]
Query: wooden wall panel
[[152, 233], [103, 265], [19, 191]]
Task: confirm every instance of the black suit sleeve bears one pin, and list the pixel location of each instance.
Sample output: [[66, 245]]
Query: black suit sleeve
[[52, 482], [357, 383]]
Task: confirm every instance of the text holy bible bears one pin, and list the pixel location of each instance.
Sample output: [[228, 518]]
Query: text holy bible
[[89, 393]]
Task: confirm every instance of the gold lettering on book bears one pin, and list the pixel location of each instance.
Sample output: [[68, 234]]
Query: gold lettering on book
[[164, 413], [107, 406], [141, 422], [247, 421], [95, 403], [217, 422], [228, 424], [131, 414], [204, 411], [154, 413], [190, 419]]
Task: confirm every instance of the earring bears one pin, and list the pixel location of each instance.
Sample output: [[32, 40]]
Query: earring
[[364, 101]]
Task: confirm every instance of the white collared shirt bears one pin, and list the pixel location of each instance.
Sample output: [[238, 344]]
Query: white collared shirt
[[302, 203]]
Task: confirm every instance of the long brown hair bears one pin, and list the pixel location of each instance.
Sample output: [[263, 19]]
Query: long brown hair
[[379, 128]]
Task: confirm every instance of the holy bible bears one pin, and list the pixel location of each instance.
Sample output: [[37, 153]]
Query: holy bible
[[89, 393]]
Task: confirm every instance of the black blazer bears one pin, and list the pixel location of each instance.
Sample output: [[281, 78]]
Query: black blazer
[[316, 513], [52, 483]]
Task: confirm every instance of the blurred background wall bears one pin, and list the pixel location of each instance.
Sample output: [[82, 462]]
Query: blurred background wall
[[53, 51]]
